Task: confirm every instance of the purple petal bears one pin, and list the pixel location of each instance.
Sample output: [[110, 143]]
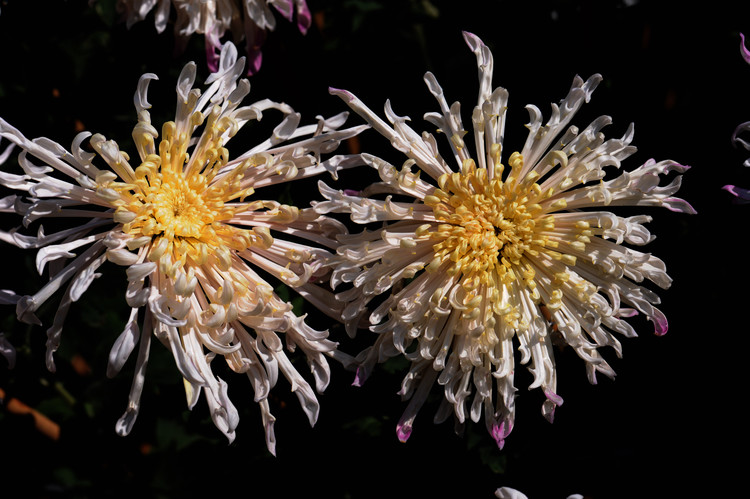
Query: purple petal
[[553, 397], [285, 8], [472, 40], [213, 50], [304, 18], [500, 432], [255, 59], [360, 376], [627, 312], [403, 430], [344, 94], [661, 326], [743, 50], [679, 205], [743, 195], [255, 37]]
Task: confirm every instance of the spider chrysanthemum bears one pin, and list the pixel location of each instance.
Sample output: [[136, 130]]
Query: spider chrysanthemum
[[488, 257], [250, 20], [742, 194], [195, 238]]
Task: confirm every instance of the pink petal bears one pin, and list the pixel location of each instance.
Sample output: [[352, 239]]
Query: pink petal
[[743, 50], [403, 430]]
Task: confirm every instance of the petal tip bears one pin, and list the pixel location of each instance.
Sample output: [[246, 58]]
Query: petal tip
[[500, 432], [403, 430], [344, 94]]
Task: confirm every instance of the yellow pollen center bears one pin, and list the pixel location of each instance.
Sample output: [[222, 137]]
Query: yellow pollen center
[[182, 210], [179, 210], [489, 224]]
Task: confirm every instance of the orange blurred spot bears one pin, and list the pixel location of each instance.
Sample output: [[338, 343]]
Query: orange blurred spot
[[319, 19], [80, 365], [41, 422]]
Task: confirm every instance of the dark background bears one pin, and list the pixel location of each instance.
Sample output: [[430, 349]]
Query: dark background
[[668, 426]]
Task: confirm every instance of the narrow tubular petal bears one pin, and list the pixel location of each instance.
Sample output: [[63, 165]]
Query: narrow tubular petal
[[124, 345], [7, 351], [125, 423]]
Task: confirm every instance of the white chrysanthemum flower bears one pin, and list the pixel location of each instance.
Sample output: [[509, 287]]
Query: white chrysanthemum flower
[[248, 20], [509, 493], [191, 233], [484, 257], [742, 194]]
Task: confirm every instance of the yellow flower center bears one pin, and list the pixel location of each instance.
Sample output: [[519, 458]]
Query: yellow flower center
[[489, 225], [181, 208], [488, 231], [178, 210]]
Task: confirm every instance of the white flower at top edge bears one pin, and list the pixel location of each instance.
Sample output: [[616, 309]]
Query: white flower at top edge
[[509, 493], [488, 255], [243, 19], [188, 227], [742, 194]]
